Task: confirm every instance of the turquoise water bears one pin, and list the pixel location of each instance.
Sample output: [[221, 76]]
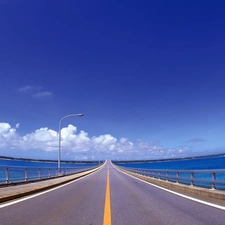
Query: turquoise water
[[16, 169], [207, 163]]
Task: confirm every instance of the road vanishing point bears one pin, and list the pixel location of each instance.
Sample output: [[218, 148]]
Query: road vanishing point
[[108, 197]]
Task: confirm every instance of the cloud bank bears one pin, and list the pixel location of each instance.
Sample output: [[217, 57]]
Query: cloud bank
[[78, 145]]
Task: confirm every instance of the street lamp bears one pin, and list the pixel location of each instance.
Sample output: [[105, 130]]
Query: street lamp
[[60, 124]]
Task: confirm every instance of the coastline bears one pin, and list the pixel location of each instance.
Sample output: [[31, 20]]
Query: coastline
[[114, 161], [167, 160], [46, 160]]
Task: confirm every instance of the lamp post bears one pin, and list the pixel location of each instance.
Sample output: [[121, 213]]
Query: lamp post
[[60, 125]]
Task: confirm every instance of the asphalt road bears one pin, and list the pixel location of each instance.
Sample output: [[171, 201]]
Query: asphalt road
[[130, 202]]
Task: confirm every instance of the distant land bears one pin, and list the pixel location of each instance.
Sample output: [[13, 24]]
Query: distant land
[[49, 160], [166, 160], [114, 161]]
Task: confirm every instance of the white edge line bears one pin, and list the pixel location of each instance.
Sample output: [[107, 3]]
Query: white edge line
[[176, 193], [44, 192]]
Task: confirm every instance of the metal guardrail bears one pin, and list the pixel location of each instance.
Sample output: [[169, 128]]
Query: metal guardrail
[[214, 179], [15, 174]]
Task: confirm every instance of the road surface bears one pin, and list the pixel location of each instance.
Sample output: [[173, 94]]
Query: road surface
[[109, 197]]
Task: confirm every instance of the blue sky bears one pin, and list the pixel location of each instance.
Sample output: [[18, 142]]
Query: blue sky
[[148, 75]]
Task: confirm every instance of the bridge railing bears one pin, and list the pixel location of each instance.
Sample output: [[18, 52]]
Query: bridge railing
[[214, 179], [15, 174]]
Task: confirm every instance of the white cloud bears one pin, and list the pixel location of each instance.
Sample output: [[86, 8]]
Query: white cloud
[[42, 135], [68, 132], [8, 136], [42, 94], [6, 130], [29, 88], [35, 91], [106, 139], [79, 145]]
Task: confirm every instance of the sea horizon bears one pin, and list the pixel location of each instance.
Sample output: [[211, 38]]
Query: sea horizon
[[115, 161]]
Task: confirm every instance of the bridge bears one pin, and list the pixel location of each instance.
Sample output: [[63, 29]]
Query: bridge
[[103, 197]]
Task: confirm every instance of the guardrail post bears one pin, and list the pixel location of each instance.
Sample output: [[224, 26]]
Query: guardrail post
[[166, 175], [150, 173], [177, 177], [7, 175], [39, 173], [192, 178], [159, 175], [49, 173], [26, 174], [213, 180]]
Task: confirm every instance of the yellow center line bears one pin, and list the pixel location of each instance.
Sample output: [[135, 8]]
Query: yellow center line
[[107, 210]]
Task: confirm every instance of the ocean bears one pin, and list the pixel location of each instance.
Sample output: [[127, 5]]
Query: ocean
[[205, 163], [40, 164], [17, 174], [13, 170]]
